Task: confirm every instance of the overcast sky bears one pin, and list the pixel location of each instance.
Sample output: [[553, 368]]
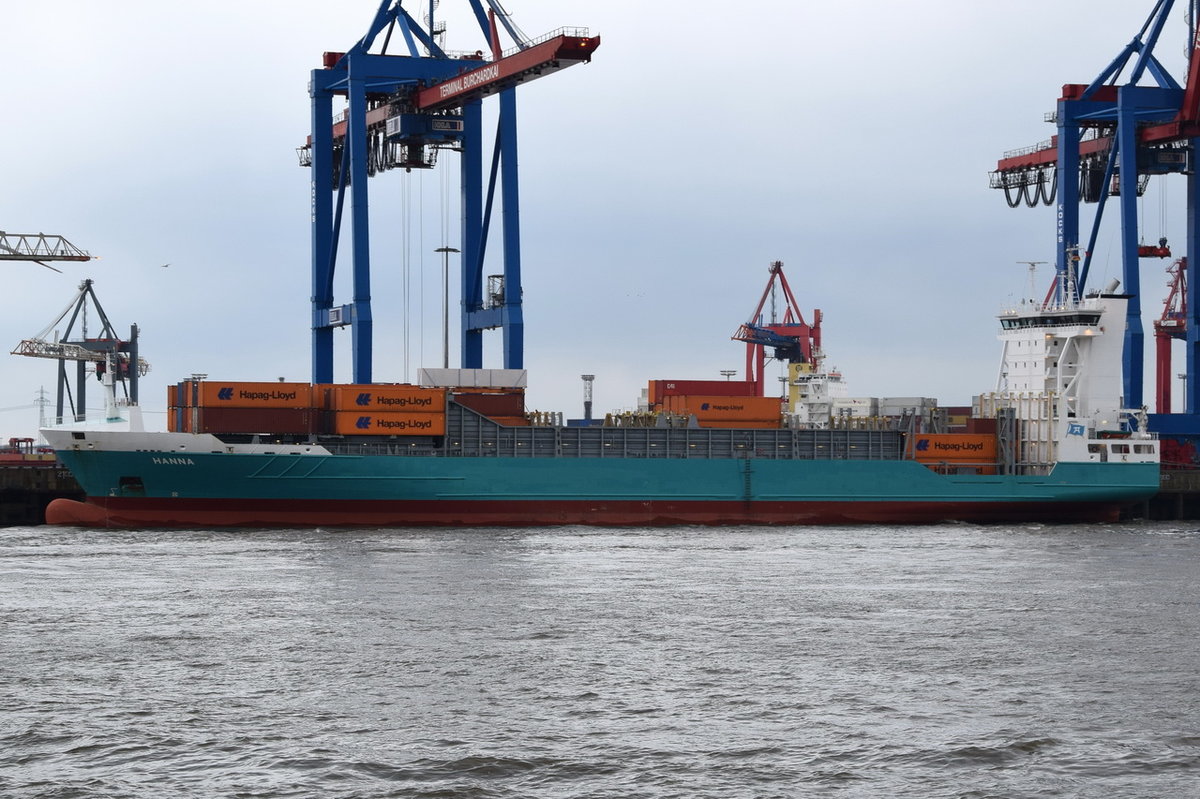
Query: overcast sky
[[850, 140]]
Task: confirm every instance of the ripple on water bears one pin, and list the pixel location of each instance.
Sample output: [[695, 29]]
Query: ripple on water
[[955, 661]]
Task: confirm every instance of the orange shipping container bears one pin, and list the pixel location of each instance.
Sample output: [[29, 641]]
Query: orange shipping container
[[977, 447], [290, 421], [493, 404], [658, 390], [742, 424], [729, 408], [183, 394], [510, 421], [215, 394], [179, 420], [367, 397], [981, 425], [388, 423]]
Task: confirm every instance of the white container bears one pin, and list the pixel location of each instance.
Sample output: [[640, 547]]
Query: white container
[[473, 378], [855, 406]]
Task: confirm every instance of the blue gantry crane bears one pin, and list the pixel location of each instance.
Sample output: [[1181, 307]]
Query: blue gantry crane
[[401, 110], [1133, 121]]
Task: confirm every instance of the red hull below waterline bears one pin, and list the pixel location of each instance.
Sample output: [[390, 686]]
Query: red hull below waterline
[[141, 513]]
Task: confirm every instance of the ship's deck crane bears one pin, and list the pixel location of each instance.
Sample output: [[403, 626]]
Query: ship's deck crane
[[112, 357], [1112, 134], [401, 110], [792, 339], [39, 248]]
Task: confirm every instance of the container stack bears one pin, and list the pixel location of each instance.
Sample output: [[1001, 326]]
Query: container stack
[[659, 390], [198, 406], [504, 406], [724, 411], [233, 407], [387, 410], [498, 394]]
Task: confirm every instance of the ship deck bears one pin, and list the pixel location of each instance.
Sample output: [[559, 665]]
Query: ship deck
[[469, 434]]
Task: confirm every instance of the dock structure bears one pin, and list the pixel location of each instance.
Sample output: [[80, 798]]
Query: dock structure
[[26, 490], [1177, 499]]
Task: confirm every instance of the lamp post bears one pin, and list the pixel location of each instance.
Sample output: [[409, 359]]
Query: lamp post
[[728, 373], [445, 251], [587, 397]]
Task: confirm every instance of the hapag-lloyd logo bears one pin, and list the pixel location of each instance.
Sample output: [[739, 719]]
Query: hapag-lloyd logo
[[365, 399], [925, 445], [226, 394], [367, 422], [713, 406]]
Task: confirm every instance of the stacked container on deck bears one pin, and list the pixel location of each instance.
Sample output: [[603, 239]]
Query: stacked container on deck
[[660, 390], [504, 406], [718, 411], [383, 410], [223, 407], [956, 452], [498, 394], [198, 406], [716, 403]]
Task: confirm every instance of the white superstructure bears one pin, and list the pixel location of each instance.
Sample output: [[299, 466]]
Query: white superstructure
[[1060, 374], [815, 395]]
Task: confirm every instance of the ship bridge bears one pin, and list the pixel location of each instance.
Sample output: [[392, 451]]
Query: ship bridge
[[1072, 318]]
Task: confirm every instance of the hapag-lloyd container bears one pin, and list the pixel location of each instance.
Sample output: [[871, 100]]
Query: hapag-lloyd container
[[759, 409], [979, 447], [390, 398], [387, 423], [233, 394], [268, 421]]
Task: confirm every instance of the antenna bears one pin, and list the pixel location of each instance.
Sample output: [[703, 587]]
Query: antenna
[[1031, 292]]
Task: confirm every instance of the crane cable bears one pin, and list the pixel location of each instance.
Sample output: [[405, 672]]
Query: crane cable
[[1162, 210], [1013, 202], [1048, 195], [405, 261], [444, 210], [421, 266], [1041, 191]]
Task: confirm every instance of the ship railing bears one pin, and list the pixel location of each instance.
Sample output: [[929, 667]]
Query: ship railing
[[545, 37]]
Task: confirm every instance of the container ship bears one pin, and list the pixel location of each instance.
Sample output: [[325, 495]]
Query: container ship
[[458, 447]]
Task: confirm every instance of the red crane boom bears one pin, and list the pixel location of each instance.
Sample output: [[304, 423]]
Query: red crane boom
[[557, 52], [1172, 324], [792, 339]]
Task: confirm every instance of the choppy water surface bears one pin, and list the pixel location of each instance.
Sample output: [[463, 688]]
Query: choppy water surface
[[951, 661]]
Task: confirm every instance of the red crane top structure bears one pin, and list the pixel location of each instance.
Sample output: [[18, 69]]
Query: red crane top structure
[[792, 339]]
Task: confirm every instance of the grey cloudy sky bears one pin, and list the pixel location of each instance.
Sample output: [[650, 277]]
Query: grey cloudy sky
[[850, 140]]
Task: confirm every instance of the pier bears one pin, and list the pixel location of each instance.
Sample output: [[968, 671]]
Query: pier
[[26, 490], [1178, 497]]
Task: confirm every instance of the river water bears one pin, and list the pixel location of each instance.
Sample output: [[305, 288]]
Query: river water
[[943, 661]]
